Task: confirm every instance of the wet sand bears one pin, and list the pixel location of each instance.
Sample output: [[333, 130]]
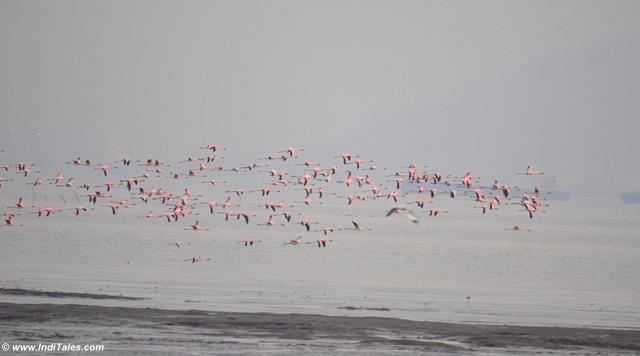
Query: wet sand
[[125, 330]]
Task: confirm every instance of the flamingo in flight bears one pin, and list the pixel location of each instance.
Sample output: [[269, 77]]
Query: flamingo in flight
[[245, 216], [9, 221], [20, 204], [196, 227], [326, 231], [321, 242], [288, 215], [356, 226], [213, 148], [238, 192], [79, 210], [517, 228], [105, 169], [296, 241], [530, 172], [271, 222], [46, 211]]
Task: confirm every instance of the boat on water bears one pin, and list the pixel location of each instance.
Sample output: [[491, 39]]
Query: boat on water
[[631, 198]]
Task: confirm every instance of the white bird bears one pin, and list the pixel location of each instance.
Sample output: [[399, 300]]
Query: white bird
[[399, 209]]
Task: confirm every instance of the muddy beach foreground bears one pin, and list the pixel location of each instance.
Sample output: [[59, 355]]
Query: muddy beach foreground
[[151, 331]]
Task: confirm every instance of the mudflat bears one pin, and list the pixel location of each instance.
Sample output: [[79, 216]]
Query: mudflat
[[149, 331]]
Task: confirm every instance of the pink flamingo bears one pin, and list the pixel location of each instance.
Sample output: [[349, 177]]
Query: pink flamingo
[[321, 242], [296, 241], [238, 192], [227, 203]]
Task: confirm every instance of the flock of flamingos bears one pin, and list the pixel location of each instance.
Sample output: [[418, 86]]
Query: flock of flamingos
[[408, 190]]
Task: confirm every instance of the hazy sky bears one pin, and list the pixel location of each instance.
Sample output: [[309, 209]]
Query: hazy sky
[[487, 86]]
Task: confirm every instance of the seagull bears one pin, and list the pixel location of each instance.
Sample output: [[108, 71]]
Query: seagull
[[399, 209]]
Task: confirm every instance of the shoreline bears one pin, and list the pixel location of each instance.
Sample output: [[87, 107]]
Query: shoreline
[[130, 328]]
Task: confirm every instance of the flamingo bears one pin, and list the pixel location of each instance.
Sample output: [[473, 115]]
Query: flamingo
[[213, 148], [326, 231], [105, 169], [265, 191], [270, 222], [9, 222], [245, 216], [394, 196], [321, 242], [238, 192], [357, 227], [467, 179], [307, 224], [59, 178], [530, 172], [307, 201], [349, 180], [215, 182], [288, 215], [20, 204], [212, 205], [196, 259], [419, 203], [358, 163], [296, 241], [196, 227], [2, 180], [517, 228], [80, 210], [126, 161], [435, 211], [350, 198], [346, 158], [46, 211], [227, 203], [114, 208]]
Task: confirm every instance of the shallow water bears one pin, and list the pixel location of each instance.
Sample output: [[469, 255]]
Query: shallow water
[[577, 267]]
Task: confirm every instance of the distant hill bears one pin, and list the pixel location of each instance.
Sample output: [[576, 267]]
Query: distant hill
[[572, 114]]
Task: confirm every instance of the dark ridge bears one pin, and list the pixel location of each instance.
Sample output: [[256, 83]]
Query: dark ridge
[[56, 294], [349, 307]]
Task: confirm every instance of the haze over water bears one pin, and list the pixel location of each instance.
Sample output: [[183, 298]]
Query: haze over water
[[487, 87]]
